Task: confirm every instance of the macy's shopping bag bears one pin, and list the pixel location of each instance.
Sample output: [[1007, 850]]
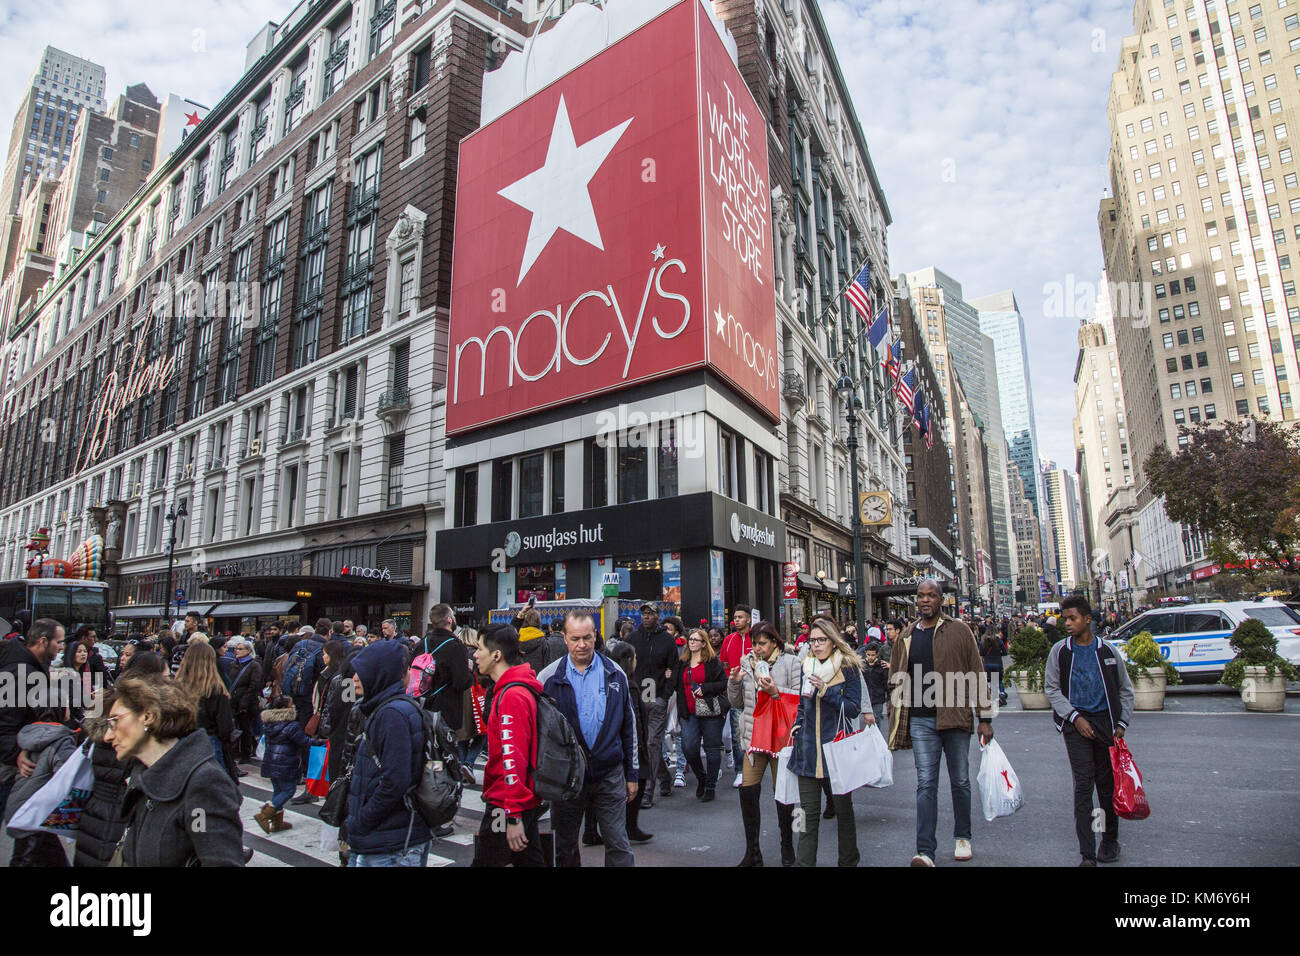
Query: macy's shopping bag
[[318, 774], [1130, 799], [58, 805], [787, 784], [1000, 791], [855, 760]]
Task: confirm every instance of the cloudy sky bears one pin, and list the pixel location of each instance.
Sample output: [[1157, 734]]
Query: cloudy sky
[[986, 120]]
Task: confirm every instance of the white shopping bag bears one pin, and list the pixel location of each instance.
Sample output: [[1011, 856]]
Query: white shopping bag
[[884, 756], [57, 806], [674, 724], [999, 786], [260, 750], [858, 760], [787, 784], [329, 838]]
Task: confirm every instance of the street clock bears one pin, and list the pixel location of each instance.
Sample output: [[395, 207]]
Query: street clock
[[876, 508]]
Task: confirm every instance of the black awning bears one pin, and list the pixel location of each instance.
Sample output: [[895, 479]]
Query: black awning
[[252, 608], [316, 588]]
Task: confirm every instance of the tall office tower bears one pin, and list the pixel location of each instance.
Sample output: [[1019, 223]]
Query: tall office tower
[[47, 117], [1029, 549], [972, 355], [1061, 493], [1199, 230], [1101, 440]]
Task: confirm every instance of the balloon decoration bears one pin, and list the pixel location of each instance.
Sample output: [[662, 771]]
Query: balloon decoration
[[86, 563]]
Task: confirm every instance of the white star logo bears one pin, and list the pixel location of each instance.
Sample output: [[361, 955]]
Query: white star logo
[[722, 323], [658, 252], [1131, 770], [557, 194]]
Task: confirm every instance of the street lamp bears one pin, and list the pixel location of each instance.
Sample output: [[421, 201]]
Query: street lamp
[[173, 514], [863, 600]]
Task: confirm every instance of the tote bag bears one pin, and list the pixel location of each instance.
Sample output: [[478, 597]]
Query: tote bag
[[58, 805]]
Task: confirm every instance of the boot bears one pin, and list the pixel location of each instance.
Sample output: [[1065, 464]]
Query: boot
[[751, 817], [785, 817], [278, 822], [263, 817], [634, 832]]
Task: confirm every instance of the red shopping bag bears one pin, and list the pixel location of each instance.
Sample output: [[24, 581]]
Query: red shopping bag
[[477, 695], [1130, 799], [318, 777]]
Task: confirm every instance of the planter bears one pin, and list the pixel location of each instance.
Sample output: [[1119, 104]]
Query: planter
[[1031, 697], [1263, 693], [1149, 689]]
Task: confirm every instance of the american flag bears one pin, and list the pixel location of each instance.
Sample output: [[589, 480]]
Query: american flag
[[893, 360], [918, 410], [857, 293], [927, 427], [904, 389]]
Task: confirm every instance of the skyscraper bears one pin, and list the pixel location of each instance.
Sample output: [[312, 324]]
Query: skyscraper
[[1198, 234], [973, 356], [1065, 518]]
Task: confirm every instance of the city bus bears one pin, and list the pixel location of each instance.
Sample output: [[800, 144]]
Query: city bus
[[70, 601]]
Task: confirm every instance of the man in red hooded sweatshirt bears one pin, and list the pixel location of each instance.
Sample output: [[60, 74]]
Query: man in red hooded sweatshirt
[[508, 834], [736, 645]]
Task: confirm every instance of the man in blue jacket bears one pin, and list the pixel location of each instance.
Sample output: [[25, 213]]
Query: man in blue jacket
[[593, 694], [383, 829]]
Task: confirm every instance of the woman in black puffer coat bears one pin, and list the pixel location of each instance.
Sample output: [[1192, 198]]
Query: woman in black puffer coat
[[102, 823]]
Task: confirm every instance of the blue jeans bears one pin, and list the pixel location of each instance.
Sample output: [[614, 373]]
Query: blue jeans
[[216, 750], [737, 751], [927, 746], [708, 729], [417, 855], [469, 750], [281, 791]]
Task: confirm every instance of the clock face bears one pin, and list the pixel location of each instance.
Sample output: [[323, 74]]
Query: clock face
[[875, 508]]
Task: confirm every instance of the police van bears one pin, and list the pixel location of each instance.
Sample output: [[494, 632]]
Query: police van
[[1194, 637]]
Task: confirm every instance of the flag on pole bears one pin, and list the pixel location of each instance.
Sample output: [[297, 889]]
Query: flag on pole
[[918, 409], [927, 427], [879, 328], [904, 389], [893, 359], [857, 292]]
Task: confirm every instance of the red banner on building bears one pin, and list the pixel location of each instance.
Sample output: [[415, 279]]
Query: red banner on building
[[614, 228]]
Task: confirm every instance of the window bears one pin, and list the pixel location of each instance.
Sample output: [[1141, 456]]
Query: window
[[342, 479], [406, 285], [557, 481], [396, 464], [336, 64], [532, 479], [1234, 354], [466, 514], [596, 465], [290, 491]]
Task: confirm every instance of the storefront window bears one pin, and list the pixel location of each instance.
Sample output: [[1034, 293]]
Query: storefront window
[[645, 575], [535, 581], [667, 471], [633, 474], [467, 497], [531, 481]]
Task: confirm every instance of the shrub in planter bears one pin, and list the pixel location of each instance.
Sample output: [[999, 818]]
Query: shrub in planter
[[1256, 647], [1143, 652], [1029, 649]]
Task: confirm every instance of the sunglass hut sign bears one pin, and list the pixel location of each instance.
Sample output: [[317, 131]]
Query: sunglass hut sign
[[615, 228]]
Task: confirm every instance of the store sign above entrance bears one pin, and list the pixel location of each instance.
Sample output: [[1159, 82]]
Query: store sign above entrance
[[356, 571], [615, 228]]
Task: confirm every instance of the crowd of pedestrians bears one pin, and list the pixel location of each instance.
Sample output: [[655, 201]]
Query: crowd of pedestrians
[[631, 716]]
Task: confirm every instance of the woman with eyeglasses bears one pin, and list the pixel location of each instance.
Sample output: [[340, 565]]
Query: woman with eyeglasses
[[700, 683], [152, 720], [764, 686], [830, 697]]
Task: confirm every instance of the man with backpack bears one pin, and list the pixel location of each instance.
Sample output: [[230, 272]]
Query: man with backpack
[[300, 669], [439, 668], [511, 807], [593, 695], [383, 826]]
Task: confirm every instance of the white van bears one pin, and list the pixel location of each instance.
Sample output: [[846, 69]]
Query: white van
[[1194, 637]]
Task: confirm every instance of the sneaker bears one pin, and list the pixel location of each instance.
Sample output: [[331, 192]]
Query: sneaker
[[445, 830], [962, 851], [304, 797], [736, 783], [679, 781], [1108, 852], [1087, 862], [731, 761], [922, 860]]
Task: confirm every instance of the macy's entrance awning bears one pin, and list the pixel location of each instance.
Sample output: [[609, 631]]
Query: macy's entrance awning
[[316, 589]]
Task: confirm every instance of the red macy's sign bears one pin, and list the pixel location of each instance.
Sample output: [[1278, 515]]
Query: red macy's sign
[[614, 228]]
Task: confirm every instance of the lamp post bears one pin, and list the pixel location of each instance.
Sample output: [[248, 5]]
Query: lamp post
[[863, 599], [1128, 585], [172, 515]]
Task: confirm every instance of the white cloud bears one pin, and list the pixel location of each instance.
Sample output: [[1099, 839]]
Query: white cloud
[[1013, 97]]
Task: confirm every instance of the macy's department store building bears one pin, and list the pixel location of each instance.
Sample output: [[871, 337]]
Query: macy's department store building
[[613, 403]]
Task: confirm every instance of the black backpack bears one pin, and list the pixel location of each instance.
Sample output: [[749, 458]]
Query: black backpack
[[559, 764], [436, 794]]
